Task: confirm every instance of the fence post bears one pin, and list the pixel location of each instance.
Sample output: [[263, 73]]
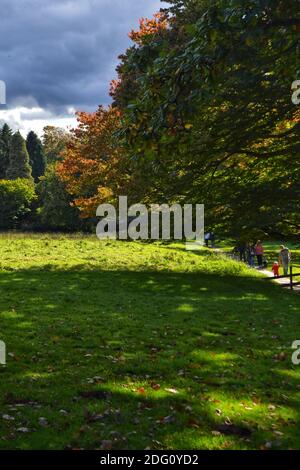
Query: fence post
[[291, 277]]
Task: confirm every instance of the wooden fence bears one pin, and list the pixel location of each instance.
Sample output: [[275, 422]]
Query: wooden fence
[[291, 284]]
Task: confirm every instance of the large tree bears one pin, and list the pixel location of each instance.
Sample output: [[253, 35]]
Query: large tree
[[205, 114], [212, 92], [55, 208], [55, 141], [36, 155], [19, 166], [5, 138], [93, 167]]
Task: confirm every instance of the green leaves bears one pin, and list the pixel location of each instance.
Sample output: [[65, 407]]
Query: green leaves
[[16, 197], [208, 102]]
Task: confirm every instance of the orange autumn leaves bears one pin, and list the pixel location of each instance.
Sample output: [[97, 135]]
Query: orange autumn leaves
[[149, 27], [93, 168], [90, 163]]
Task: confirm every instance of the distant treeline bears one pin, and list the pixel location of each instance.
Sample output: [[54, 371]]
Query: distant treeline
[[32, 196]]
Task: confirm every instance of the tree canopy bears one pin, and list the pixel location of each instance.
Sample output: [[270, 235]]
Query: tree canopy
[[203, 99]]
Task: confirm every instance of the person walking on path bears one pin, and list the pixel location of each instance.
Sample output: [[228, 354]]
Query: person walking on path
[[251, 255], [242, 250], [207, 238], [285, 259], [259, 251]]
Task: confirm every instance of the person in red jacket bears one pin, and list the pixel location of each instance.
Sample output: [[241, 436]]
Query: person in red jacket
[[275, 269]]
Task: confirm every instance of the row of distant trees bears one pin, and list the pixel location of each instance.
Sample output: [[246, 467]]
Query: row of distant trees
[[31, 194], [20, 158]]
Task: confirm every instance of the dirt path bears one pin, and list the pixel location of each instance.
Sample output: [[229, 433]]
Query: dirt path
[[266, 273], [281, 282]]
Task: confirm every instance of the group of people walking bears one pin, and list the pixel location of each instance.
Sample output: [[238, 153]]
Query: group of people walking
[[249, 253]]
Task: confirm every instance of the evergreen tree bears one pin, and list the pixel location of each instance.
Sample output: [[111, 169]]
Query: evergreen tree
[[36, 155], [5, 138], [19, 166], [56, 211]]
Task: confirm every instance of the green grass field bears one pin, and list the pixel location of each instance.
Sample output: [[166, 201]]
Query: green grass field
[[142, 346]]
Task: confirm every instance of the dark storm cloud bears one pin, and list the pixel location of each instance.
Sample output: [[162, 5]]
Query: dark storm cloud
[[62, 53]]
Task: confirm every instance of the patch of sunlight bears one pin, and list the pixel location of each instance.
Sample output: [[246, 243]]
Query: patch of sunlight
[[212, 356], [256, 296], [203, 440], [248, 408], [186, 308], [290, 373], [246, 296], [24, 325], [50, 306], [10, 314], [209, 334], [36, 375], [141, 389]]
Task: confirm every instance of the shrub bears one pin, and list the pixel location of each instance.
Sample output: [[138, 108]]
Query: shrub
[[16, 198]]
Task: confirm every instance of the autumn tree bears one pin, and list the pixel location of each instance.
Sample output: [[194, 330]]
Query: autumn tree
[[91, 164], [204, 114], [212, 92]]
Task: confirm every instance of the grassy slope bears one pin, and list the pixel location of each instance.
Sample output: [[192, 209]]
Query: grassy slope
[[139, 316]]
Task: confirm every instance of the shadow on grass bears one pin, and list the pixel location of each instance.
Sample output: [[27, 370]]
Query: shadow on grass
[[182, 360]]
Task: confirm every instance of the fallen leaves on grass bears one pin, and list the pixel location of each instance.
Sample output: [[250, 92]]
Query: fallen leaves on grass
[[172, 390], [155, 386], [8, 418], [280, 356], [23, 430], [193, 423], [106, 445]]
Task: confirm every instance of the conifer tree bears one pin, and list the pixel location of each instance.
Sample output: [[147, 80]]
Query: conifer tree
[[5, 138], [36, 155], [19, 166]]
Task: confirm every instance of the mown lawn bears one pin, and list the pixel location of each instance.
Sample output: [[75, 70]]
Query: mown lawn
[[135, 346]]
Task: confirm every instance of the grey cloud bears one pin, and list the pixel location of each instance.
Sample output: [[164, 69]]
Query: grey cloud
[[62, 53]]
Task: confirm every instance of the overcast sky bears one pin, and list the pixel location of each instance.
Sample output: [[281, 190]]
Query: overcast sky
[[58, 56]]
